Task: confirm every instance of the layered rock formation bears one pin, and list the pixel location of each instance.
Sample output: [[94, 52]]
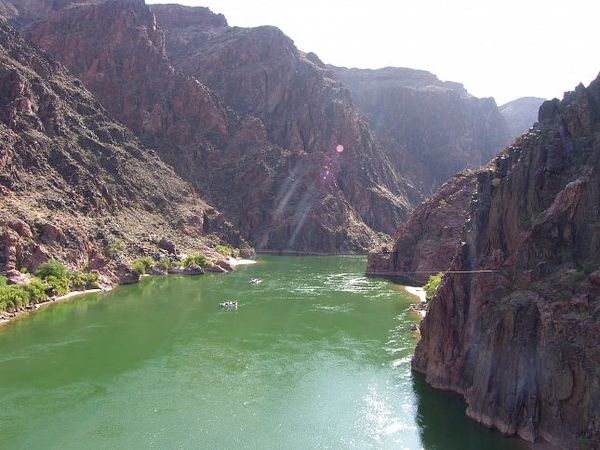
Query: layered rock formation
[[73, 181], [426, 243], [430, 129], [522, 343], [277, 175], [521, 114]]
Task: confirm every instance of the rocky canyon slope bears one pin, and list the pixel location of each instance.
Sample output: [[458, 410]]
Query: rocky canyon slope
[[73, 181], [521, 340], [278, 176], [430, 129]]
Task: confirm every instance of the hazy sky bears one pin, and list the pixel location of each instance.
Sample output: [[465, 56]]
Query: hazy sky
[[505, 49]]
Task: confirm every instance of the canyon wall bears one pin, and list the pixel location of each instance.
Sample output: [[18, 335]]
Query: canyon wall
[[312, 180], [73, 181], [430, 129], [521, 341]]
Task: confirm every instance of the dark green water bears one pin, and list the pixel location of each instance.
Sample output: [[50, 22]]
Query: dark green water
[[317, 356]]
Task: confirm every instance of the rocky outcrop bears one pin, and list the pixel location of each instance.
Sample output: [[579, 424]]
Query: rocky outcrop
[[430, 129], [426, 243], [279, 178], [73, 181], [521, 114], [522, 342]]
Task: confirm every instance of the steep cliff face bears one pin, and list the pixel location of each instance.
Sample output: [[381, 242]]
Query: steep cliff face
[[426, 243], [430, 129], [259, 71], [522, 344], [521, 114], [73, 181], [282, 197]]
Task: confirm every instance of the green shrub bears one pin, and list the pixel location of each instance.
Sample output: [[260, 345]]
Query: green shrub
[[116, 247], [197, 259], [12, 297], [432, 285], [147, 261], [442, 203], [164, 264], [227, 251], [141, 265], [91, 280], [36, 290], [60, 285], [3, 281], [77, 281], [138, 267], [24, 270], [52, 268]]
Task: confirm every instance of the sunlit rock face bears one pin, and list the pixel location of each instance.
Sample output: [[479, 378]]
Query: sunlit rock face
[[274, 169], [73, 180], [521, 114], [429, 129], [522, 343]]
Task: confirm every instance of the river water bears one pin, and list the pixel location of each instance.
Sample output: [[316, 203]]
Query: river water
[[316, 356]]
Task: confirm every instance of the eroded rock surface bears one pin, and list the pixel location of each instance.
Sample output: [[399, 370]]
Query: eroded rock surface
[[74, 181], [522, 343]]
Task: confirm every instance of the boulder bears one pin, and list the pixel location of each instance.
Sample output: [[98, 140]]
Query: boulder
[[168, 246]]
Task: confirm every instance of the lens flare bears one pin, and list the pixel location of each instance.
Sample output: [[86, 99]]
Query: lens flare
[[340, 148]]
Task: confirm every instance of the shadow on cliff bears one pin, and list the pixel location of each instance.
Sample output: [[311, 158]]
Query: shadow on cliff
[[441, 418]]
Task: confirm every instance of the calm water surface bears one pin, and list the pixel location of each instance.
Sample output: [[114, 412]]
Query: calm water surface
[[316, 356]]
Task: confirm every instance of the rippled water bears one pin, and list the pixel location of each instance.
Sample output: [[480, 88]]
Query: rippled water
[[316, 356]]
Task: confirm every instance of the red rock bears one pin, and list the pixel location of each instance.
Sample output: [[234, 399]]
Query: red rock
[[22, 228], [303, 195], [84, 183], [595, 277]]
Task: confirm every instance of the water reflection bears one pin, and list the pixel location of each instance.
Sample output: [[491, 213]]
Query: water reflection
[[442, 425]]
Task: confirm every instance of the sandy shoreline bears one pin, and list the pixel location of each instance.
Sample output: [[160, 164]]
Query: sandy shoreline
[[420, 294], [240, 261]]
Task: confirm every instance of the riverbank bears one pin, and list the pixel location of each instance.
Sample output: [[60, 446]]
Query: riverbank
[[8, 317]]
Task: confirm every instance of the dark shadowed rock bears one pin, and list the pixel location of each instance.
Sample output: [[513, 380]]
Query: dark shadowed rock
[[522, 343]]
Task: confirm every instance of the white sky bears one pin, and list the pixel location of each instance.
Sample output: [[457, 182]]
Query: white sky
[[505, 49]]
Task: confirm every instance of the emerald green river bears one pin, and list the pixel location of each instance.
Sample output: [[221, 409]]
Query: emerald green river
[[316, 356]]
